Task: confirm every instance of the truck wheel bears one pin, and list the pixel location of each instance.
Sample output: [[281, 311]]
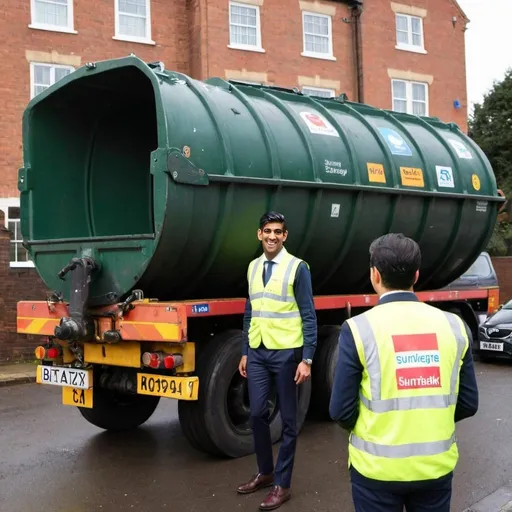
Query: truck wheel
[[115, 411], [219, 422], [324, 366]]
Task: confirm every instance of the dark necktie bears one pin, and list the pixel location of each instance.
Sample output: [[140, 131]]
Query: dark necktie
[[267, 273]]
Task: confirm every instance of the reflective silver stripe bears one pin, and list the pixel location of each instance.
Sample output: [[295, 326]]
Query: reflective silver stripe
[[286, 278], [407, 403], [402, 450], [461, 343], [268, 314], [253, 276], [261, 295], [371, 353]]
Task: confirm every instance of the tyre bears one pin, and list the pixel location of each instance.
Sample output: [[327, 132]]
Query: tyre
[[115, 411], [219, 421], [324, 366]]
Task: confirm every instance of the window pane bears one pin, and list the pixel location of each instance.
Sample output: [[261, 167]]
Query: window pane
[[416, 40], [39, 89], [137, 7], [61, 73], [130, 26], [13, 212], [416, 25], [419, 109], [399, 90], [51, 13], [418, 92], [316, 25], [17, 234], [402, 37], [401, 23], [321, 93], [400, 106], [42, 75]]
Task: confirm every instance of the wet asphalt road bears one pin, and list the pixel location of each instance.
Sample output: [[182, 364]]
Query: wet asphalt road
[[53, 460]]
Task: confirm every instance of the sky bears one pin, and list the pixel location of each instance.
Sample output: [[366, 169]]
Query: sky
[[488, 45]]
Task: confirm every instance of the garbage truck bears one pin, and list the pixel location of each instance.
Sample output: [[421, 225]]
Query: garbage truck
[[141, 189]]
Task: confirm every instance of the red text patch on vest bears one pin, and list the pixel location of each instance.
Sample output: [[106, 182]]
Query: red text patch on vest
[[417, 361]]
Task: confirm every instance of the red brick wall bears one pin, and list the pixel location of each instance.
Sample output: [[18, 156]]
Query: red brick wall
[[193, 36], [503, 268], [282, 40], [94, 22], [445, 58], [15, 284]]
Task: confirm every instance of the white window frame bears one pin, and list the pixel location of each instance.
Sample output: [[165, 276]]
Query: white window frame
[[248, 47], [317, 55], [5, 204], [409, 46], [318, 89], [133, 39], [69, 29], [52, 74], [408, 95]]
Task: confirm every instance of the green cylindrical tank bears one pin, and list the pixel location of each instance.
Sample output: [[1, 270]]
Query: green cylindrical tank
[[162, 179]]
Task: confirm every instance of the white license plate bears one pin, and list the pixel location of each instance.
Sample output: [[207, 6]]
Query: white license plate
[[487, 345], [59, 376]]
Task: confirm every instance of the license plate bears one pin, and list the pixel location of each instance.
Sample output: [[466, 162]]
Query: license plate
[[487, 345], [182, 388], [77, 397], [59, 376]]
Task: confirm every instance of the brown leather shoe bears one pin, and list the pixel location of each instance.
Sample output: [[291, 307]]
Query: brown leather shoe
[[275, 498], [255, 483]]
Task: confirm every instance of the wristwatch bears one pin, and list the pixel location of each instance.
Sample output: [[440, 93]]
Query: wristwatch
[[309, 362]]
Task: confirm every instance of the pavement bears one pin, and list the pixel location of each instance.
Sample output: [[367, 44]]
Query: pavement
[[53, 460], [17, 373]]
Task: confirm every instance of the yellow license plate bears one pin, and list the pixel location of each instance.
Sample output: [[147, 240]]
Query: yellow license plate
[[77, 397], [182, 388]]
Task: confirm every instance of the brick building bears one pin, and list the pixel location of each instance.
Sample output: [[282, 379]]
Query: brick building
[[407, 55]]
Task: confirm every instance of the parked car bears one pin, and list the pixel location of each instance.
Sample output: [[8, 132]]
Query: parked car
[[480, 275], [495, 333]]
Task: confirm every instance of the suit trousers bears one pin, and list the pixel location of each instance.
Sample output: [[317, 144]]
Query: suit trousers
[[413, 496], [264, 367]]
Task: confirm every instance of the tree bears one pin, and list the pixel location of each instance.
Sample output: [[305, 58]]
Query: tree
[[490, 126]]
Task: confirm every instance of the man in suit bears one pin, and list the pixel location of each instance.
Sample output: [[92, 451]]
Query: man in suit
[[280, 340], [404, 376]]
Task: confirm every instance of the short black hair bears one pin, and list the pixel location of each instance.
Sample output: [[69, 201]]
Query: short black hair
[[397, 258], [269, 217]]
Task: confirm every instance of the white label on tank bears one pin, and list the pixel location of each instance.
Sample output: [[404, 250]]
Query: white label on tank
[[335, 210], [445, 176], [335, 168], [461, 149], [481, 206], [318, 124]]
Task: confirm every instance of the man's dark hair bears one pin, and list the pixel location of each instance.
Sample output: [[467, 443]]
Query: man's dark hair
[[268, 217], [397, 258]]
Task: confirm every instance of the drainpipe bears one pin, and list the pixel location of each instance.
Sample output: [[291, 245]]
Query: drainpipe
[[357, 11]]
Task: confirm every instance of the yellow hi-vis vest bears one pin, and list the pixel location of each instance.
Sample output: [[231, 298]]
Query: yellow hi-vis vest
[[275, 316], [411, 355]]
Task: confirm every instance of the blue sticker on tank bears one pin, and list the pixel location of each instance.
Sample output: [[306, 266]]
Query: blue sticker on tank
[[395, 141], [200, 308]]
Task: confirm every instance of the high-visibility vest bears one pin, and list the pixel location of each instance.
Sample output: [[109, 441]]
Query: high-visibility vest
[[411, 354], [275, 316]]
